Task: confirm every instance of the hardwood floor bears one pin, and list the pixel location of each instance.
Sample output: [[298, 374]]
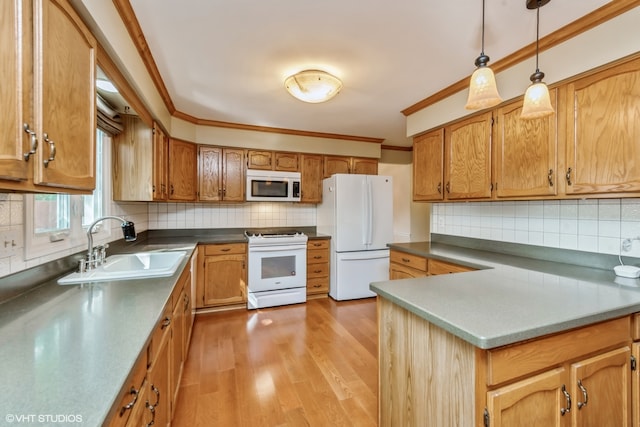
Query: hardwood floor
[[312, 364]]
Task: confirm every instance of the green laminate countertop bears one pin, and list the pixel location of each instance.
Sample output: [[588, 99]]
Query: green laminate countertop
[[509, 298]]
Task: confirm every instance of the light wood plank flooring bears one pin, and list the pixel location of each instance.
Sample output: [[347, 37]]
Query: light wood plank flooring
[[312, 364]]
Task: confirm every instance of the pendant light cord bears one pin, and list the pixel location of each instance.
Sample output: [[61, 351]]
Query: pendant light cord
[[482, 50], [537, 34]]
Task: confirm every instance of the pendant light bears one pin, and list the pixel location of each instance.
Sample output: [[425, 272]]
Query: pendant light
[[537, 102], [483, 92]]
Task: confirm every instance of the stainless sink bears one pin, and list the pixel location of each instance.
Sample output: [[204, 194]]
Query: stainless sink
[[139, 265]]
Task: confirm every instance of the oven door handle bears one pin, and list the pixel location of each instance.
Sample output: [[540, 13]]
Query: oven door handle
[[277, 248]]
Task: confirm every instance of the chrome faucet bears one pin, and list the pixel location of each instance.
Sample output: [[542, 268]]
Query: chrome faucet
[[94, 257]]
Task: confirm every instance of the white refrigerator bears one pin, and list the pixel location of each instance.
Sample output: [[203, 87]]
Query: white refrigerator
[[357, 212]]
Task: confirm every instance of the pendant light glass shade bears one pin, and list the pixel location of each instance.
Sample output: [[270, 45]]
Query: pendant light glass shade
[[313, 86], [537, 102], [483, 91]]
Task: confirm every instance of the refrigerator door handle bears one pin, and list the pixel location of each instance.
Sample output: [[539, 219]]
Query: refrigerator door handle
[[369, 212]]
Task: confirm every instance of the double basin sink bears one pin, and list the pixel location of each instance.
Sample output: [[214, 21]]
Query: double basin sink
[[139, 265]]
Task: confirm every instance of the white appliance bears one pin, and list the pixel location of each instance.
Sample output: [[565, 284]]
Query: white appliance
[[272, 186], [357, 212], [277, 269]]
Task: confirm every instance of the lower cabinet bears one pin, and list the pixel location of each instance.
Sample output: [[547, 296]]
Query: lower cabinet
[[403, 265], [222, 275], [581, 377], [149, 396], [318, 267]]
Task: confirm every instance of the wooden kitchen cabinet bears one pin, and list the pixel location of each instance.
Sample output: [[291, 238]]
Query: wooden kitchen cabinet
[[48, 121], [403, 265], [272, 160], [130, 400], [525, 153], [182, 170], [468, 158], [221, 174], [442, 267], [158, 380], [311, 178], [428, 166], [602, 132], [159, 164], [176, 345], [527, 383], [345, 164], [318, 267], [222, 275]]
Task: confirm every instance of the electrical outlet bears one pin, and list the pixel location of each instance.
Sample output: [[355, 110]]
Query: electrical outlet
[[8, 242]]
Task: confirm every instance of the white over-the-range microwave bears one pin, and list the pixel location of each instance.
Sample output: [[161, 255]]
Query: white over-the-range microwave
[[272, 186]]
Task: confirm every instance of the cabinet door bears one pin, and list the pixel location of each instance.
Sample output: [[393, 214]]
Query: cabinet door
[[534, 402], [158, 379], [602, 114], [160, 164], [132, 165], [209, 173], [233, 176], [64, 97], [336, 164], [260, 159], [428, 162], [635, 387], [175, 346], [364, 166], [525, 153], [15, 57], [468, 158], [311, 178], [182, 170], [601, 387], [286, 161], [224, 280]]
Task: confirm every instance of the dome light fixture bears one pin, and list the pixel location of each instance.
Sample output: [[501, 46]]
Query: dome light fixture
[[483, 91], [537, 102], [313, 86], [106, 85]]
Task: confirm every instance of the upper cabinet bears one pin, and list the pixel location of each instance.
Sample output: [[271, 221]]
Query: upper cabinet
[[48, 121], [160, 164], [344, 164], [428, 166], [311, 178], [603, 132], [272, 160], [525, 153], [221, 174], [182, 170], [468, 158], [131, 160]]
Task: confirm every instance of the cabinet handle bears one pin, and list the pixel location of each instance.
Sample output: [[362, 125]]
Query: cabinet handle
[[317, 271], [166, 322], [317, 244], [157, 392], [225, 250], [129, 405], [34, 142], [317, 257], [224, 191], [52, 150], [569, 176], [448, 187], [406, 260], [584, 394], [550, 177], [491, 187], [439, 188], [568, 397], [153, 415], [171, 187], [317, 286]]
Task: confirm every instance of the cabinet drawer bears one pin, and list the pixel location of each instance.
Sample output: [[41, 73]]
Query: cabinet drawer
[[401, 271], [159, 333], [441, 267], [317, 270], [317, 256], [130, 393], [509, 362], [635, 326], [318, 244], [318, 285], [225, 249], [409, 260]]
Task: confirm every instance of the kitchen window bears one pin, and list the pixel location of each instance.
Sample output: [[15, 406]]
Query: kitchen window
[[58, 222]]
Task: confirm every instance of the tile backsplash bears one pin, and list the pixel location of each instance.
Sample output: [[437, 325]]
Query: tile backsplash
[[598, 226]]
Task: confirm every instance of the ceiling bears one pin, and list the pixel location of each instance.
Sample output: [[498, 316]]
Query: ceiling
[[227, 60]]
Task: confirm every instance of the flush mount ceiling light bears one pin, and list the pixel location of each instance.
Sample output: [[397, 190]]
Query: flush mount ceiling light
[[483, 92], [536, 99], [106, 85], [313, 86]]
